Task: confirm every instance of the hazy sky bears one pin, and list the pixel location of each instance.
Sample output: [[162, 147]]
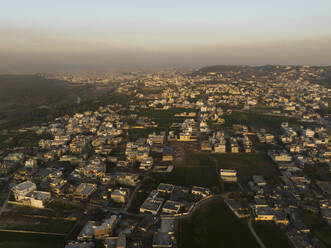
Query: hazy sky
[[45, 35]]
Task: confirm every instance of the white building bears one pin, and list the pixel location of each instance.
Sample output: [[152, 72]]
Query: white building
[[228, 175], [21, 190], [146, 164], [38, 198]]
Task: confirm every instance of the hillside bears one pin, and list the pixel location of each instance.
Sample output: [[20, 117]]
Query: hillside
[[20, 94], [26, 88]]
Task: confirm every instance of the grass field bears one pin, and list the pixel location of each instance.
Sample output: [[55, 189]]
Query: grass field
[[248, 164], [16, 221], [272, 236], [20, 240], [323, 232], [196, 169], [215, 226], [318, 227], [257, 120], [318, 172], [164, 118]]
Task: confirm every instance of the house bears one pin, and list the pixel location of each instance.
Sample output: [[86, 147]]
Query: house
[[120, 195], [26, 193], [82, 244], [165, 188], [206, 145], [264, 214], [38, 199], [259, 181], [84, 191], [128, 179], [228, 175], [171, 207], [146, 163], [167, 154], [151, 206], [107, 226], [220, 147], [204, 192], [21, 190], [88, 231]]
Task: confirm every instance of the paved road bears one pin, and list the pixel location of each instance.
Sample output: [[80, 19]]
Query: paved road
[[127, 206], [254, 233]]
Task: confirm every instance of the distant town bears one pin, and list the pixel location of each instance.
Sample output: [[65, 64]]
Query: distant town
[[176, 157]]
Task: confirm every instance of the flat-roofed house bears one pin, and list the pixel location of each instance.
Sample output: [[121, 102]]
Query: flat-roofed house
[[21, 190], [85, 190]]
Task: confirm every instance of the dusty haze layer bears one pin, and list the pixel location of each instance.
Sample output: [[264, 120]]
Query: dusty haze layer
[[44, 36]]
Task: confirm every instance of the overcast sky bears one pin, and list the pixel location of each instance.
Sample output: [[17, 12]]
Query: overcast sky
[[45, 36]]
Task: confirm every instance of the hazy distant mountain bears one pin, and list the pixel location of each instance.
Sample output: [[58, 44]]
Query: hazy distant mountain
[[221, 68], [25, 88], [20, 94], [260, 70]]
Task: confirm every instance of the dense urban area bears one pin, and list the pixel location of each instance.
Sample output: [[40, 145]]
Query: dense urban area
[[217, 157]]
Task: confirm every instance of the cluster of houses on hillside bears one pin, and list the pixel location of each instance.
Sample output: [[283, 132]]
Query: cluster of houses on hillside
[[101, 157]]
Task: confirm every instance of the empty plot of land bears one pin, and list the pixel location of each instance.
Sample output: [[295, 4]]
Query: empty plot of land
[[164, 118], [16, 221], [257, 120], [27, 240], [195, 169], [272, 236], [248, 165], [214, 225]]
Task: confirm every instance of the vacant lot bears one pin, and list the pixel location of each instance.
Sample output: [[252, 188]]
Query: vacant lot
[[272, 236], [247, 165], [195, 169], [16, 221], [257, 120], [214, 225], [318, 172], [318, 227], [19, 240], [164, 118]]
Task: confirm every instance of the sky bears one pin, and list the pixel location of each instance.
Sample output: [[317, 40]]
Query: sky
[[64, 35]]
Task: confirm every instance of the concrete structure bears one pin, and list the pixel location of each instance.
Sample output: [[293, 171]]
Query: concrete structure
[[228, 175], [165, 188], [120, 195], [106, 227], [146, 163], [38, 198], [85, 190], [204, 192], [264, 214], [21, 190], [151, 206], [171, 207]]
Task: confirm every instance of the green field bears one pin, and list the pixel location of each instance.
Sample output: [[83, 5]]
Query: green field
[[272, 236], [248, 164], [16, 221], [215, 226], [196, 170], [323, 232], [257, 120], [318, 172], [318, 227], [20, 240], [164, 118]]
